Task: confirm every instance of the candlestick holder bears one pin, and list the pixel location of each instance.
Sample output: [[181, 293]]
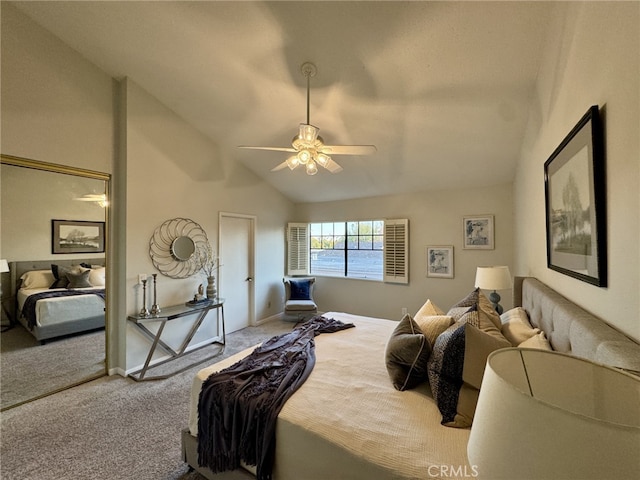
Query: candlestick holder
[[144, 312], [155, 309]]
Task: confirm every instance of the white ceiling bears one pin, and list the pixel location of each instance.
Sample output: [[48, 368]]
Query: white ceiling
[[443, 89]]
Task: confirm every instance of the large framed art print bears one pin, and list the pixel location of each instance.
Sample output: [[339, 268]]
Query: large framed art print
[[77, 236], [574, 178]]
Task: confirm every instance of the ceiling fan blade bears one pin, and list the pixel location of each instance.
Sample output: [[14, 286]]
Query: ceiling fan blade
[[333, 167], [275, 149], [349, 149], [280, 166]]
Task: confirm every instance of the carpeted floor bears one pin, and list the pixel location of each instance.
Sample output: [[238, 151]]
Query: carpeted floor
[[29, 369], [111, 428]]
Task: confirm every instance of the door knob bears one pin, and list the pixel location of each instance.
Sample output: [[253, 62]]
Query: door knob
[[248, 279]]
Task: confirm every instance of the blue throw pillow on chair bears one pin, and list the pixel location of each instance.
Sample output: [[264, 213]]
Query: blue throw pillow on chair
[[300, 289]]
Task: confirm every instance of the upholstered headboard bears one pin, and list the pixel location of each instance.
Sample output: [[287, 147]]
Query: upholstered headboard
[[573, 330], [17, 269]]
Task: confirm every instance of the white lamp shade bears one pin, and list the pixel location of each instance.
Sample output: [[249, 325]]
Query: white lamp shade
[[546, 415], [4, 266], [493, 278]]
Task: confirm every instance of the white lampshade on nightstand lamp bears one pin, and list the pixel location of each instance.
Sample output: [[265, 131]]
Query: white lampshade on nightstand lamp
[[494, 278], [545, 415]]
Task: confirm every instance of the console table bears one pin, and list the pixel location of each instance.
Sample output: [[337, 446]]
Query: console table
[[171, 313]]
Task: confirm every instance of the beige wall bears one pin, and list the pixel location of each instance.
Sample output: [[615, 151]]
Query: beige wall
[[59, 108], [591, 59], [435, 218], [56, 106], [175, 171]]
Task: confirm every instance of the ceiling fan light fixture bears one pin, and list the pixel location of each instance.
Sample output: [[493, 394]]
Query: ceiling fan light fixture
[[308, 133], [323, 159], [312, 169], [304, 156], [293, 162]]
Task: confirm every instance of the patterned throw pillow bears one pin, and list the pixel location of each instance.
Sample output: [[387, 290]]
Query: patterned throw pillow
[[459, 355], [445, 369], [407, 355]]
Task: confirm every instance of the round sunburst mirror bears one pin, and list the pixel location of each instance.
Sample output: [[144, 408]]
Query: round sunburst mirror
[[174, 247]]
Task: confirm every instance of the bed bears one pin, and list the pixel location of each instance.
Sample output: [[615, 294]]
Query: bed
[[49, 305], [347, 421]]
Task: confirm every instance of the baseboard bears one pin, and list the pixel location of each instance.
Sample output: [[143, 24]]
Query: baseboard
[[277, 316], [117, 371]]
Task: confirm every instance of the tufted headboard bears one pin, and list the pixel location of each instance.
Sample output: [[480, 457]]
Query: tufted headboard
[[573, 330]]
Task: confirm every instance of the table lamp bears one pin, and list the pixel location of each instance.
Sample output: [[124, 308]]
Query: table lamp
[[494, 278], [544, 415]]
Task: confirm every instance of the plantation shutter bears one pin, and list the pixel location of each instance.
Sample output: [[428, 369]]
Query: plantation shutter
[[298, 249], [396, 251]]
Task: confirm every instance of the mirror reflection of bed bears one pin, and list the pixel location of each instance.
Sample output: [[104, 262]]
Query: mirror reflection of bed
[[47, 358]]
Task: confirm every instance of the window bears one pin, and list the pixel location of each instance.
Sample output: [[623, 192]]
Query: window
[[371, 249], [347, 249]]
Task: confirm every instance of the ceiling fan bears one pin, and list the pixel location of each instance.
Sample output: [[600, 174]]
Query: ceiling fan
[[309, 148]]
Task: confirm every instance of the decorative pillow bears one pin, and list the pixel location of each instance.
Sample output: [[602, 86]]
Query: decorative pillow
[[516, 327], [79, 279], [37, 279], [429, 309], [479, 343], [433, 325], [407, 355], [484, 307], [457, 362], [300, 289], [61, 274], [96, 277], [445, 370], [538, 341]]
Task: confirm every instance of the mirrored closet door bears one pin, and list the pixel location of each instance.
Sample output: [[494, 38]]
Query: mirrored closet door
[[53, 232]]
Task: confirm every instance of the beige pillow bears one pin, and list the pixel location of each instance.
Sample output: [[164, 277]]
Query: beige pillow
[[433, 325], [538, 341], [429, 309], [479, 343], [516, 327], [37, 279], [96, 277]]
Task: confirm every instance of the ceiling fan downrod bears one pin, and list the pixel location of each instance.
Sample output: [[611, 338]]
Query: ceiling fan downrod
[[309, 70]]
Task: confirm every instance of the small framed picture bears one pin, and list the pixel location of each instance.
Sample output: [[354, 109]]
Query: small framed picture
[[77, 236], [478, 232], [440, 261]]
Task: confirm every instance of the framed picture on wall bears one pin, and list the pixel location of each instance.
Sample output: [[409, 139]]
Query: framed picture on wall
[[574, 177], [77, 236], [478, 232], [440, 261]]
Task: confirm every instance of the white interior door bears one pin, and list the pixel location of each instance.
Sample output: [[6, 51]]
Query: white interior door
[[236, 251]]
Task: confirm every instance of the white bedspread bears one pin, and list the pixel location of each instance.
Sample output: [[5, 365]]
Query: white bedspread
[[349, 403], [63, 309]]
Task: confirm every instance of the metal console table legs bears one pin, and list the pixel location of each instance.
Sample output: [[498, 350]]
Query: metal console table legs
[[168, 314]]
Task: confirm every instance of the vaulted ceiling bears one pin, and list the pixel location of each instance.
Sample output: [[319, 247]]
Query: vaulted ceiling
[[443, 89]]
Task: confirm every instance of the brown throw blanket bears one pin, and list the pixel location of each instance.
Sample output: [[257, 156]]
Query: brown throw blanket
[[238, 406]]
